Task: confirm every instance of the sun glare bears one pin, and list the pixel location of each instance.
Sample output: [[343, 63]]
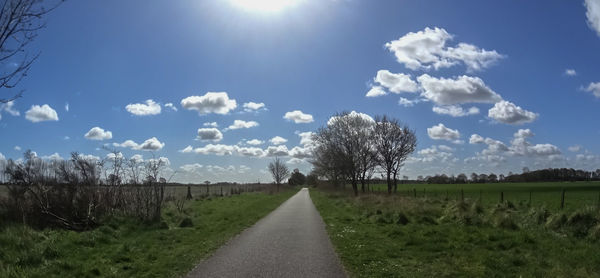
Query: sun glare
[[265, 5]]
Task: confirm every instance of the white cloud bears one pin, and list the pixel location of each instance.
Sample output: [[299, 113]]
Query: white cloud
[[427, 49], [67, 107], [141, 109], [593, 88], [593, 14], [237, 124], [455, 110], [137, 158], [255, 142], [441, 132], [17, 148], [97, 133], [280, 150], [376, 91], [251, 151], [2, 157], [217, 149], [352, 114], [8, 108], [508, 113], [298, 117], [476, 139], [210, 134], [253, 106], [396, 82], [410, 102], [575, 148], [523, 133], [191, 167], [300, 152], [277, 140], [521, 147], [306, 138], [464, 89], [211, 102], [570, 72], [211, 124], [41, 113], [170, 105], [151, 144]]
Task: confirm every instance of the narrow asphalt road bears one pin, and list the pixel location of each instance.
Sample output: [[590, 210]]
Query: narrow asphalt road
[[289, 242]]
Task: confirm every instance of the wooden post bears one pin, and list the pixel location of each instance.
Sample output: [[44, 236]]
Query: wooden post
[[480, 195], [189, 193], [446, 194], [462, 195], [415, 192], [501, 197], [221, 190], [530, 198], [562, 199]]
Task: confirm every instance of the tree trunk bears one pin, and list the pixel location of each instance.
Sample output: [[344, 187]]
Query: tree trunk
[[395, 183], [362, 183], [389, 183], [355, 187]]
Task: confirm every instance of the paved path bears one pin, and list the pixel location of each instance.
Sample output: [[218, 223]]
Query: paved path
[[289, 242]]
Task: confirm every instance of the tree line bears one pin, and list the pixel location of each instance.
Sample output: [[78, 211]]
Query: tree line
[[542, 175]]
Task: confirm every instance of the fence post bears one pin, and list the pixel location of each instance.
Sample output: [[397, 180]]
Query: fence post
[[530, 198], [415, 192], [501, 197], [480, 199], [462, 195], [562, 199]]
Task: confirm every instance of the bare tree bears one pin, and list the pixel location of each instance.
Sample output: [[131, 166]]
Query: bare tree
[[344, 148], [279, 171], [20, 20], [394, 143]]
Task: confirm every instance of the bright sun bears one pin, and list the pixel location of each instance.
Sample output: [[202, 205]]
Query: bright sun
[[264, 5]]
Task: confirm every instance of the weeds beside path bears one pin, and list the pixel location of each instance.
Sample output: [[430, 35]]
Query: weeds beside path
[[124, 248], [394, 236]]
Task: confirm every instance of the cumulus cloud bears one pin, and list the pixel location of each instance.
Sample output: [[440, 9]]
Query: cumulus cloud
[[410, 102], [216, 149], [570, 72], [238, 124], [152, 144], [251, 151], [306, 138], [463, 89], [170, 105], [593, 88], [97, 133], [575, 148], [253, 106], [476, 139], [17, 148], [280, 150], [352, 114], [427, 49], [144, 109], [211, 102], [521, 147], [376, 91], [277, 140], [255, 142], [593, 14], [209, 134], [298, 117], [211, 124], [509, 113], [455, 110], [396, 82], [41, 113], [441, 132]]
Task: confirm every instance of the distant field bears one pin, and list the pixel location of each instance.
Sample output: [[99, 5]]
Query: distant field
[[548, 194]]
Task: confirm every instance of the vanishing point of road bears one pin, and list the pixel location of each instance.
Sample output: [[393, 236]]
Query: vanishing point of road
[[289, 242]]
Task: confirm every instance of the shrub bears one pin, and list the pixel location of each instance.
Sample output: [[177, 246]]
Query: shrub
[[186, 222]]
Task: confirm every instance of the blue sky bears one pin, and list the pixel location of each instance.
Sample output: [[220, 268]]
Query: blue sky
[[522, 75]]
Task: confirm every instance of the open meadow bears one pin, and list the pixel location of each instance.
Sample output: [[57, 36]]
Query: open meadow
[[398, 235]]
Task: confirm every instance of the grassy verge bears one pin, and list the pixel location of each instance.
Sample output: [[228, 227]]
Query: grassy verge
[[395, 236], [124, 248]]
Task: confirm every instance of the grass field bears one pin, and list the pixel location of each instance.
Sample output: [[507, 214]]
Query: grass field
[[377, 235], [125, 248], [548, 194]]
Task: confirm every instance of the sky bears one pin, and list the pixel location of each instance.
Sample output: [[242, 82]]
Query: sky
[[219, 88]]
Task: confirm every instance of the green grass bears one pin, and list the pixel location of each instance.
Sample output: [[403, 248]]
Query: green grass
[[397, 236], [548, 194], [124, 248]]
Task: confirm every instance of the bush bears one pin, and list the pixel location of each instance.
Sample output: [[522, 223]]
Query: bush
[[186, 222]]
